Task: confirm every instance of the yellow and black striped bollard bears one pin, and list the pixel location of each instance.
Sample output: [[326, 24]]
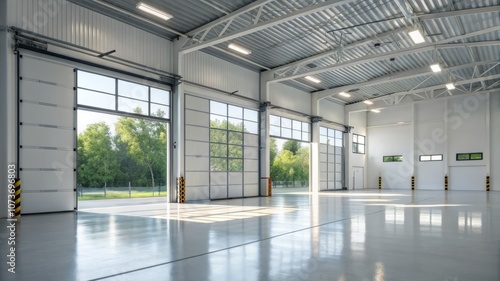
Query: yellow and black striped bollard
[[182, 190], [379, 182], [17, 198], [445, 182], [413, 183], [487, 183]]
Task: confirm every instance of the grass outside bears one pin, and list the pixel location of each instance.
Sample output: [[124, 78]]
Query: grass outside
[[116, 195]]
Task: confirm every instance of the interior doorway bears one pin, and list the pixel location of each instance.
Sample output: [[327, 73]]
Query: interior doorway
[[358, 178]]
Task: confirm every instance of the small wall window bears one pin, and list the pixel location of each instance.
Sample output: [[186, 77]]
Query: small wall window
[[358, 143], [393, 158], [433, 157], [469, 156]]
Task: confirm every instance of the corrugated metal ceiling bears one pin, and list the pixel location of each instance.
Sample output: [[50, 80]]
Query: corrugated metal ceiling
[[335, 27]]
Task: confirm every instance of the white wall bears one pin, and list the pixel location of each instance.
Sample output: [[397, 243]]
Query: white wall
[[358, 121], [71, 23], [331, 111], [290, 98], [210, 71], [495, 141], [448, 126]]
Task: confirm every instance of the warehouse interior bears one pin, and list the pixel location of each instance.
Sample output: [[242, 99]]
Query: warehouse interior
[[395, 105]]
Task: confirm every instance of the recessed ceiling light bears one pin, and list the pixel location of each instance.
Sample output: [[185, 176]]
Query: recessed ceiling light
[[240, 49], [375, 110], [154, 11], [436, 67], [313, 79], [416, 36], [368, 102], [450, 86], [344, 94]]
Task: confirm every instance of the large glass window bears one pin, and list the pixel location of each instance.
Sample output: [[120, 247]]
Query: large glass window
[[289, 129], [103, 92], [228, 124]]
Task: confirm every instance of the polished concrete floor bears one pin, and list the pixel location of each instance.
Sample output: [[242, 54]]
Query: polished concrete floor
[[355, 235]]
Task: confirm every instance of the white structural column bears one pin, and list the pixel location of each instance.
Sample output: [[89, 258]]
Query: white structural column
[[8, 106], [265, 165], [178, 116], [314, 179]]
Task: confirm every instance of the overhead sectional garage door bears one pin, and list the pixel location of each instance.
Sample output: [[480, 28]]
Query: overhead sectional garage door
[[222, 151], [331, 155], [47, 136]]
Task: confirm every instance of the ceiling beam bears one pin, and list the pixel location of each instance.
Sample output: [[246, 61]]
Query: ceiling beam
[[406, 9], [266, 24], [473, 11], [395, 77], [383, 56]]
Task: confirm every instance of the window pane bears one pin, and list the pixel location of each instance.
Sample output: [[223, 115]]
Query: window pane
[[361, 139], [218, 164], [355, 147], [235, 112], [218, 150], [96, 99], [217, 121], [218, 136], [235, 138], [476, 156], [297, 125], [338, 142], [425, 158], [235, 124], [235, 165], [354, 138], [160, 96], [275, 131], [286, 123], [251, 127], [398, 158], [323, 139], [436, 157], [361, 148], [286, 133], [463, 156], [96, 82], [235, 151], [331, 133], [297, 135], [305, 127], [331, 141], [133, 106], [274, 120], [338, 134], [218, 108], [387, 158], [133, 90], [251, 115], [323, 131], [305, 137], [160, 110]]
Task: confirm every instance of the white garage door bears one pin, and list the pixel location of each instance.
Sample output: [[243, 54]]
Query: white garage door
[[221, 150], [331, 157], [47, 135]]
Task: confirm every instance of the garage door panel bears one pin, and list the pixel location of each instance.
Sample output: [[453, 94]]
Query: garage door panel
[[251, 165], [218, 192], [52, 94], [47, 115], [197, 163], [197, 148], [47, 71], [251, 178], [197, 103], [38, 158], [218, 178], [235, 191], [467, 178], [47, 202], [236, 178], [197, 118], [47, 180], [251, 152], [197, 133], [251, 140], [196, 178], [323, 148], [251, 190], [197, 192], [47, 137], [323, 185]]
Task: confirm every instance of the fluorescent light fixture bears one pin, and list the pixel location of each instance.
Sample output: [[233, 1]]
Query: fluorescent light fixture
[[154, 11], [344, 94], [436, 67], [450, 86], [368, 102], [240, 49], [416, 36], [313, 79], [375, 110]]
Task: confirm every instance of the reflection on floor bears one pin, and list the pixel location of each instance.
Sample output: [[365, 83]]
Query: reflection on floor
[[346, 235]]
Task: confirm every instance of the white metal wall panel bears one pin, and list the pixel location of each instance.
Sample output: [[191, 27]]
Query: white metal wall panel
[[47, 135], [76, 25], [210, 71]]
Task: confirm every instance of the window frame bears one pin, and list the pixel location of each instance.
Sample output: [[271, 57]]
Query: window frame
[[356, 144], [430, 158], [469, 158], [393, 158]]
